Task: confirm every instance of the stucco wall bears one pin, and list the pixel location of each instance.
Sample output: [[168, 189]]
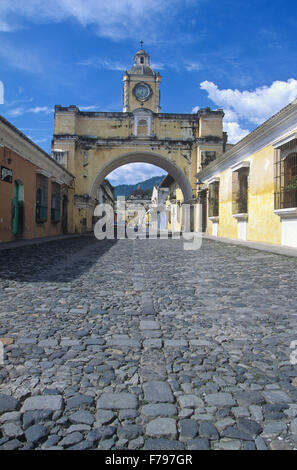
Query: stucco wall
[[262, 225], [25, 172]]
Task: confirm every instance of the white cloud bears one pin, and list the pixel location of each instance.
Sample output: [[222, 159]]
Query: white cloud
[[92, 107], [113, 18], [15, 112], [41, 109], [19, 57], [103, 64], [254, 107], [133, 173], [20, 110], [235, 132], [193, 66]]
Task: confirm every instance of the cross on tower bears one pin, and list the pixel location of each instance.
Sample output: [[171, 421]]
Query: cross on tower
[[141, 44]]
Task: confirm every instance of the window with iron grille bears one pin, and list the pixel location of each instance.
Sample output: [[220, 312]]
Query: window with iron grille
[[285, 176], [213, 199], [240, 191], [56, 203], [41, 198]]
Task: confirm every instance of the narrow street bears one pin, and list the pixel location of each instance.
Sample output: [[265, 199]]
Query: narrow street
[[142, 345]]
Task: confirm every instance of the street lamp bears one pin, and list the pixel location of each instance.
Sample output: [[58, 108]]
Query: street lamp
[[199, 185]]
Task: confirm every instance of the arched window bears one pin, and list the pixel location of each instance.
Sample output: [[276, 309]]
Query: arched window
[[142, 128]]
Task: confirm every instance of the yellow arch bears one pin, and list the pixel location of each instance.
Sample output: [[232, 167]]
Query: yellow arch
[[145, 157]]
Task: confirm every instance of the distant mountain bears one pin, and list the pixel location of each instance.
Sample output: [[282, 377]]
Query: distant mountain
[[126, 189]]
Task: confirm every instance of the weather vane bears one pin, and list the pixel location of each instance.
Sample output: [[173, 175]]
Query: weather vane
[[141, 44]]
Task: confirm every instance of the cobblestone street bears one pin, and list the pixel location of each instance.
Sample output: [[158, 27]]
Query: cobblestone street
[[142, 345]]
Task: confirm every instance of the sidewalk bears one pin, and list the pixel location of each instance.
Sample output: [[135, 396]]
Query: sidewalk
[[37, 241], [277, 249]]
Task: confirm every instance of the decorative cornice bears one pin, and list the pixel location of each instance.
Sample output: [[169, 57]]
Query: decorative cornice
[[39, 171], [15, 140], [242, 216], [240, 165], [83, 140], [213, 180], [214, 219], [281, 123], [285, 140], [289, 213]]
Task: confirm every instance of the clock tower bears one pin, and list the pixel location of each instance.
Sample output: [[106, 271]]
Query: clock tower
[[141, 85]]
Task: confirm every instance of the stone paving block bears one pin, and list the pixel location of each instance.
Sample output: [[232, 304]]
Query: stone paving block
[[159, 409], [190, 401], [36, 433], [149, 325], [162, 427], [158, 392], [82, 417], [198, 444], [220, 399], [43, 402], [129, 342], [78, 400], [229, 444], [48, 343], [152, 343], [69, 343], [26, 341], [276, 396], [79, 311], [200, 342], [8, 403], [175, 343], [10, 416], [274, 428], [117, 401]]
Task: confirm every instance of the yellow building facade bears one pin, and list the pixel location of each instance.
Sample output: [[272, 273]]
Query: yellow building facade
[[250, 192], [92, 144]]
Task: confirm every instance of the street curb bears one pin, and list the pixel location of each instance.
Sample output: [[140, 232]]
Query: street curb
[[38, 241], [275, 249]]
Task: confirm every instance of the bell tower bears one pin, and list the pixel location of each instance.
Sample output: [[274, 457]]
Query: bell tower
[[141, 85]]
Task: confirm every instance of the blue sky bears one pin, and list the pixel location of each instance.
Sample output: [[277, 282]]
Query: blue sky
[[236, 55]]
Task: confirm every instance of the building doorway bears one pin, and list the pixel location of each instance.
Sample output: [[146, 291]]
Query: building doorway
[[203, 202], [18, 209], [64, 214]]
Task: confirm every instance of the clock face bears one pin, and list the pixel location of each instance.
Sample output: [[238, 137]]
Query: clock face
[[142, 91]]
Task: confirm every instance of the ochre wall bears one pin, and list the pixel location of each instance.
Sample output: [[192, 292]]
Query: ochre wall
[[211, 126], [152, 102], [262, 225], [118, 130], [103, 126]]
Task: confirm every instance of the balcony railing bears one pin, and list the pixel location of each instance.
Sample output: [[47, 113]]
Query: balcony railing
[[285, 199]]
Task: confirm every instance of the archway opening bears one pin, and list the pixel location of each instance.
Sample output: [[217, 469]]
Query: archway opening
[[171, 193], [157, 160]]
